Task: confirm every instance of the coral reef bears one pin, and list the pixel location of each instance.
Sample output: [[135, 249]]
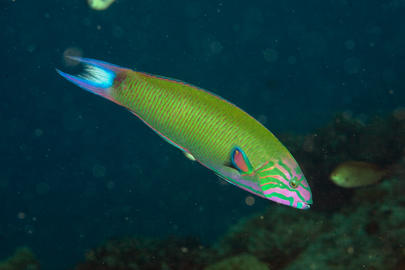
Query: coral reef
[[23, 259]]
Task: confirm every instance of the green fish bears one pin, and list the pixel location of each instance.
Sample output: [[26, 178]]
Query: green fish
[[206, 127]]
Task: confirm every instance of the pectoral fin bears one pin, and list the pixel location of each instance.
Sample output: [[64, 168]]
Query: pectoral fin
[[240, 161], [189, 156]]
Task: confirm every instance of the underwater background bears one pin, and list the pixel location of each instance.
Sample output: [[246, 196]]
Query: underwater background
[[86, 185]]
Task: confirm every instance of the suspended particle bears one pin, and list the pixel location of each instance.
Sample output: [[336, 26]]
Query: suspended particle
[[249, 200], [71, 51]]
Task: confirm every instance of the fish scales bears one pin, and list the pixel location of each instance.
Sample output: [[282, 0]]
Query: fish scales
[[201, 122]]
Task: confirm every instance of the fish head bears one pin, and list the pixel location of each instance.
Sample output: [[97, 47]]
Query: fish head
[[338, 178], [281, 180]]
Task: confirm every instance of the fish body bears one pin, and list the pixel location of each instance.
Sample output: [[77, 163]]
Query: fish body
[[351, 174], [206, 127]]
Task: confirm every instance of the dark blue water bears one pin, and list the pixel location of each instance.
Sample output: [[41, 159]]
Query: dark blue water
[[76, 169]]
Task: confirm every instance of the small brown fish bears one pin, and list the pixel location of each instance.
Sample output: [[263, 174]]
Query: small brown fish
[[351, 174]]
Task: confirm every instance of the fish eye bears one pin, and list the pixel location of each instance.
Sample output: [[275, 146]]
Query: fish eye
[[293, 184]]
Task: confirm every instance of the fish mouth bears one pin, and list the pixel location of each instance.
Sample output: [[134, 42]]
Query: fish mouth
[[303, 205], [299, 204]]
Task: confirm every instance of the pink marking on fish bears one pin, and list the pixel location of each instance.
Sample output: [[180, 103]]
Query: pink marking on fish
[[279, 177], [304, 193]]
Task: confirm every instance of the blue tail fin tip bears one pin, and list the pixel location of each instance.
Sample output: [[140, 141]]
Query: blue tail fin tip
[[96, 73], [95, 79]]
